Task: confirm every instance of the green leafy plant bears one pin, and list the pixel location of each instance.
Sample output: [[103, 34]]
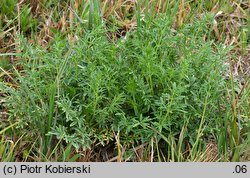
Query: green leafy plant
[[155, 82]]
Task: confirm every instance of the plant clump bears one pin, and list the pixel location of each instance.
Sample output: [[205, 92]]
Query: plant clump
[[149, 84]]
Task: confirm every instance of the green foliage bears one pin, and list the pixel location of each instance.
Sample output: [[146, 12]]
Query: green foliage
[[154, 78], [27, 23], [10, 15], [7, 146], [7, 7]]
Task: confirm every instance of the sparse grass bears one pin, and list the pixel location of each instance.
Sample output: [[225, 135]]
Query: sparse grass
[[124, 81]]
